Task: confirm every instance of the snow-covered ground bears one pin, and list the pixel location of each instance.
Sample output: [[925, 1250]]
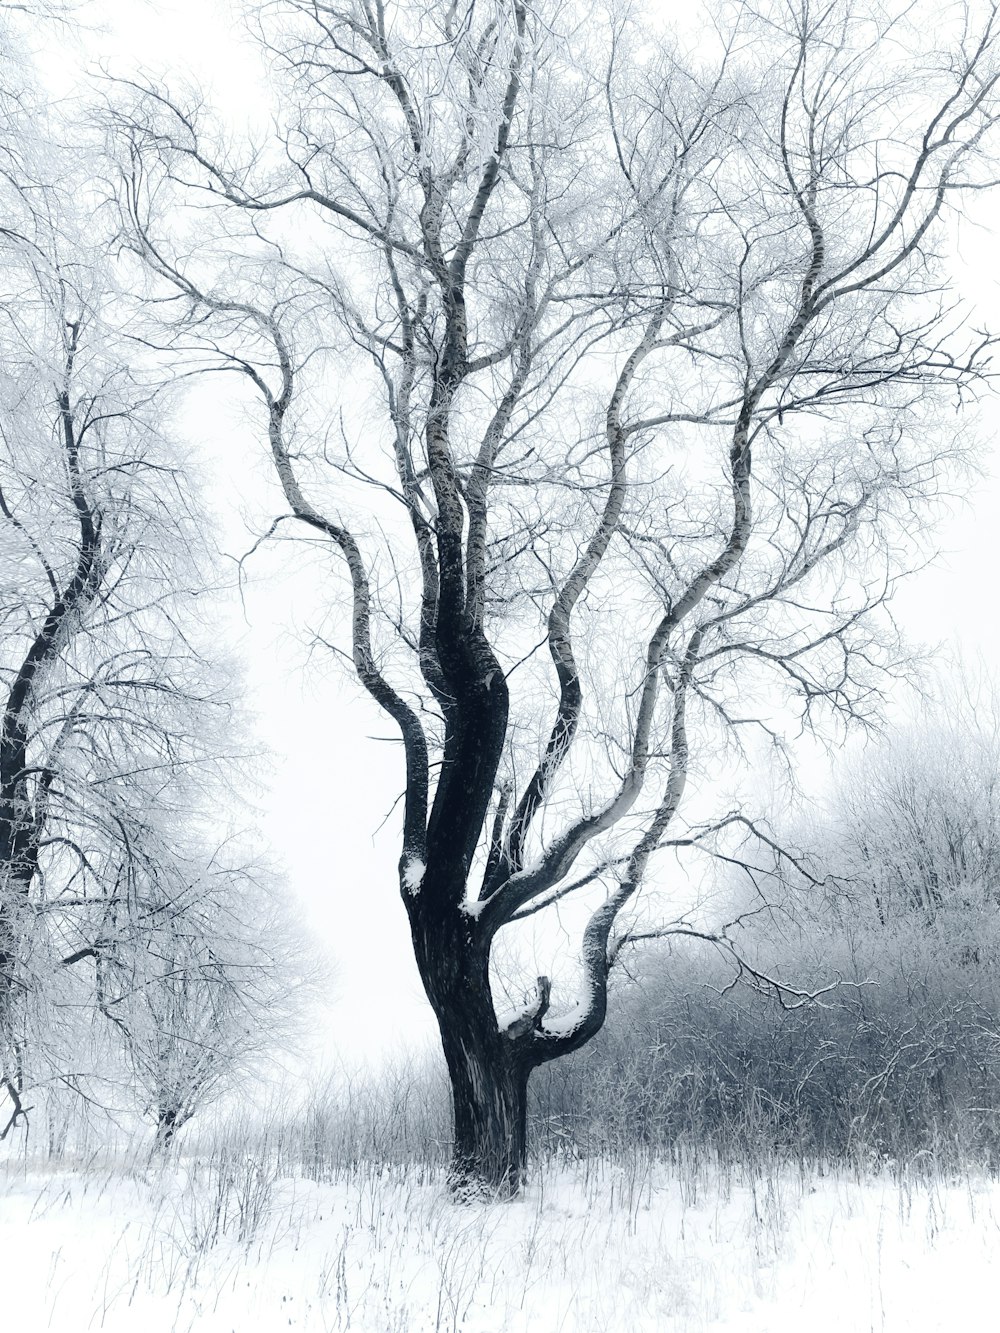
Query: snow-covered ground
[[590, 1246]]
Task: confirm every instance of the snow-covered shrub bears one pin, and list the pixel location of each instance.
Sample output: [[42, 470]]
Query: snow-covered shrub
[[902, 1056]]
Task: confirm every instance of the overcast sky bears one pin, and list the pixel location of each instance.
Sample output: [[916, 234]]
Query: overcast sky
[[330, 786]]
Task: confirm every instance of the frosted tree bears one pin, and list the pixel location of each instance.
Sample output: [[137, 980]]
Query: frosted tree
[[612, 375], [113, 715], [198, 978]]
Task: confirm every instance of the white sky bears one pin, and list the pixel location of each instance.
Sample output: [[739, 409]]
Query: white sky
[[331, 786]]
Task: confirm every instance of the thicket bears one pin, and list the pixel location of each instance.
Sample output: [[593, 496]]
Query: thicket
[[905, 1059], [896, 925]]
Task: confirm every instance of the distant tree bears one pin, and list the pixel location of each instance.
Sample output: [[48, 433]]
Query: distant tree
[[200, 982], [609, 348]]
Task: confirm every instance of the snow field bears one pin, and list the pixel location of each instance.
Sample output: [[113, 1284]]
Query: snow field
[[227, 1246]]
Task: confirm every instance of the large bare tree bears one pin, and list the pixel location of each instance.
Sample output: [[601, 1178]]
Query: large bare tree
[[613, 374]]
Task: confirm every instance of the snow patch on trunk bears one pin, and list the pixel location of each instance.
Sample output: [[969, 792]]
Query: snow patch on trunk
[[560, 1025], [413, 875], [509, 1017]]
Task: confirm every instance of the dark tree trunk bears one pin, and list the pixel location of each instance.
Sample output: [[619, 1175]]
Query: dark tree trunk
[[489, 1101], [168, 1122], [489, 1081]]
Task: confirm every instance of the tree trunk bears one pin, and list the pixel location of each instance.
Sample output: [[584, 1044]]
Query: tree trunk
[[489, 1103], [489, 1082], [168, 1122]]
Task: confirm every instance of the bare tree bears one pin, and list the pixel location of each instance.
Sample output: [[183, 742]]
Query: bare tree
[[199, 980], [610, 349], [115, 724], [94, 666]]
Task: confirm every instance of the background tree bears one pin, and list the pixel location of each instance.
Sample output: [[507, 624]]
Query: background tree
[[114, 719], [204, 990], [654, 345]]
